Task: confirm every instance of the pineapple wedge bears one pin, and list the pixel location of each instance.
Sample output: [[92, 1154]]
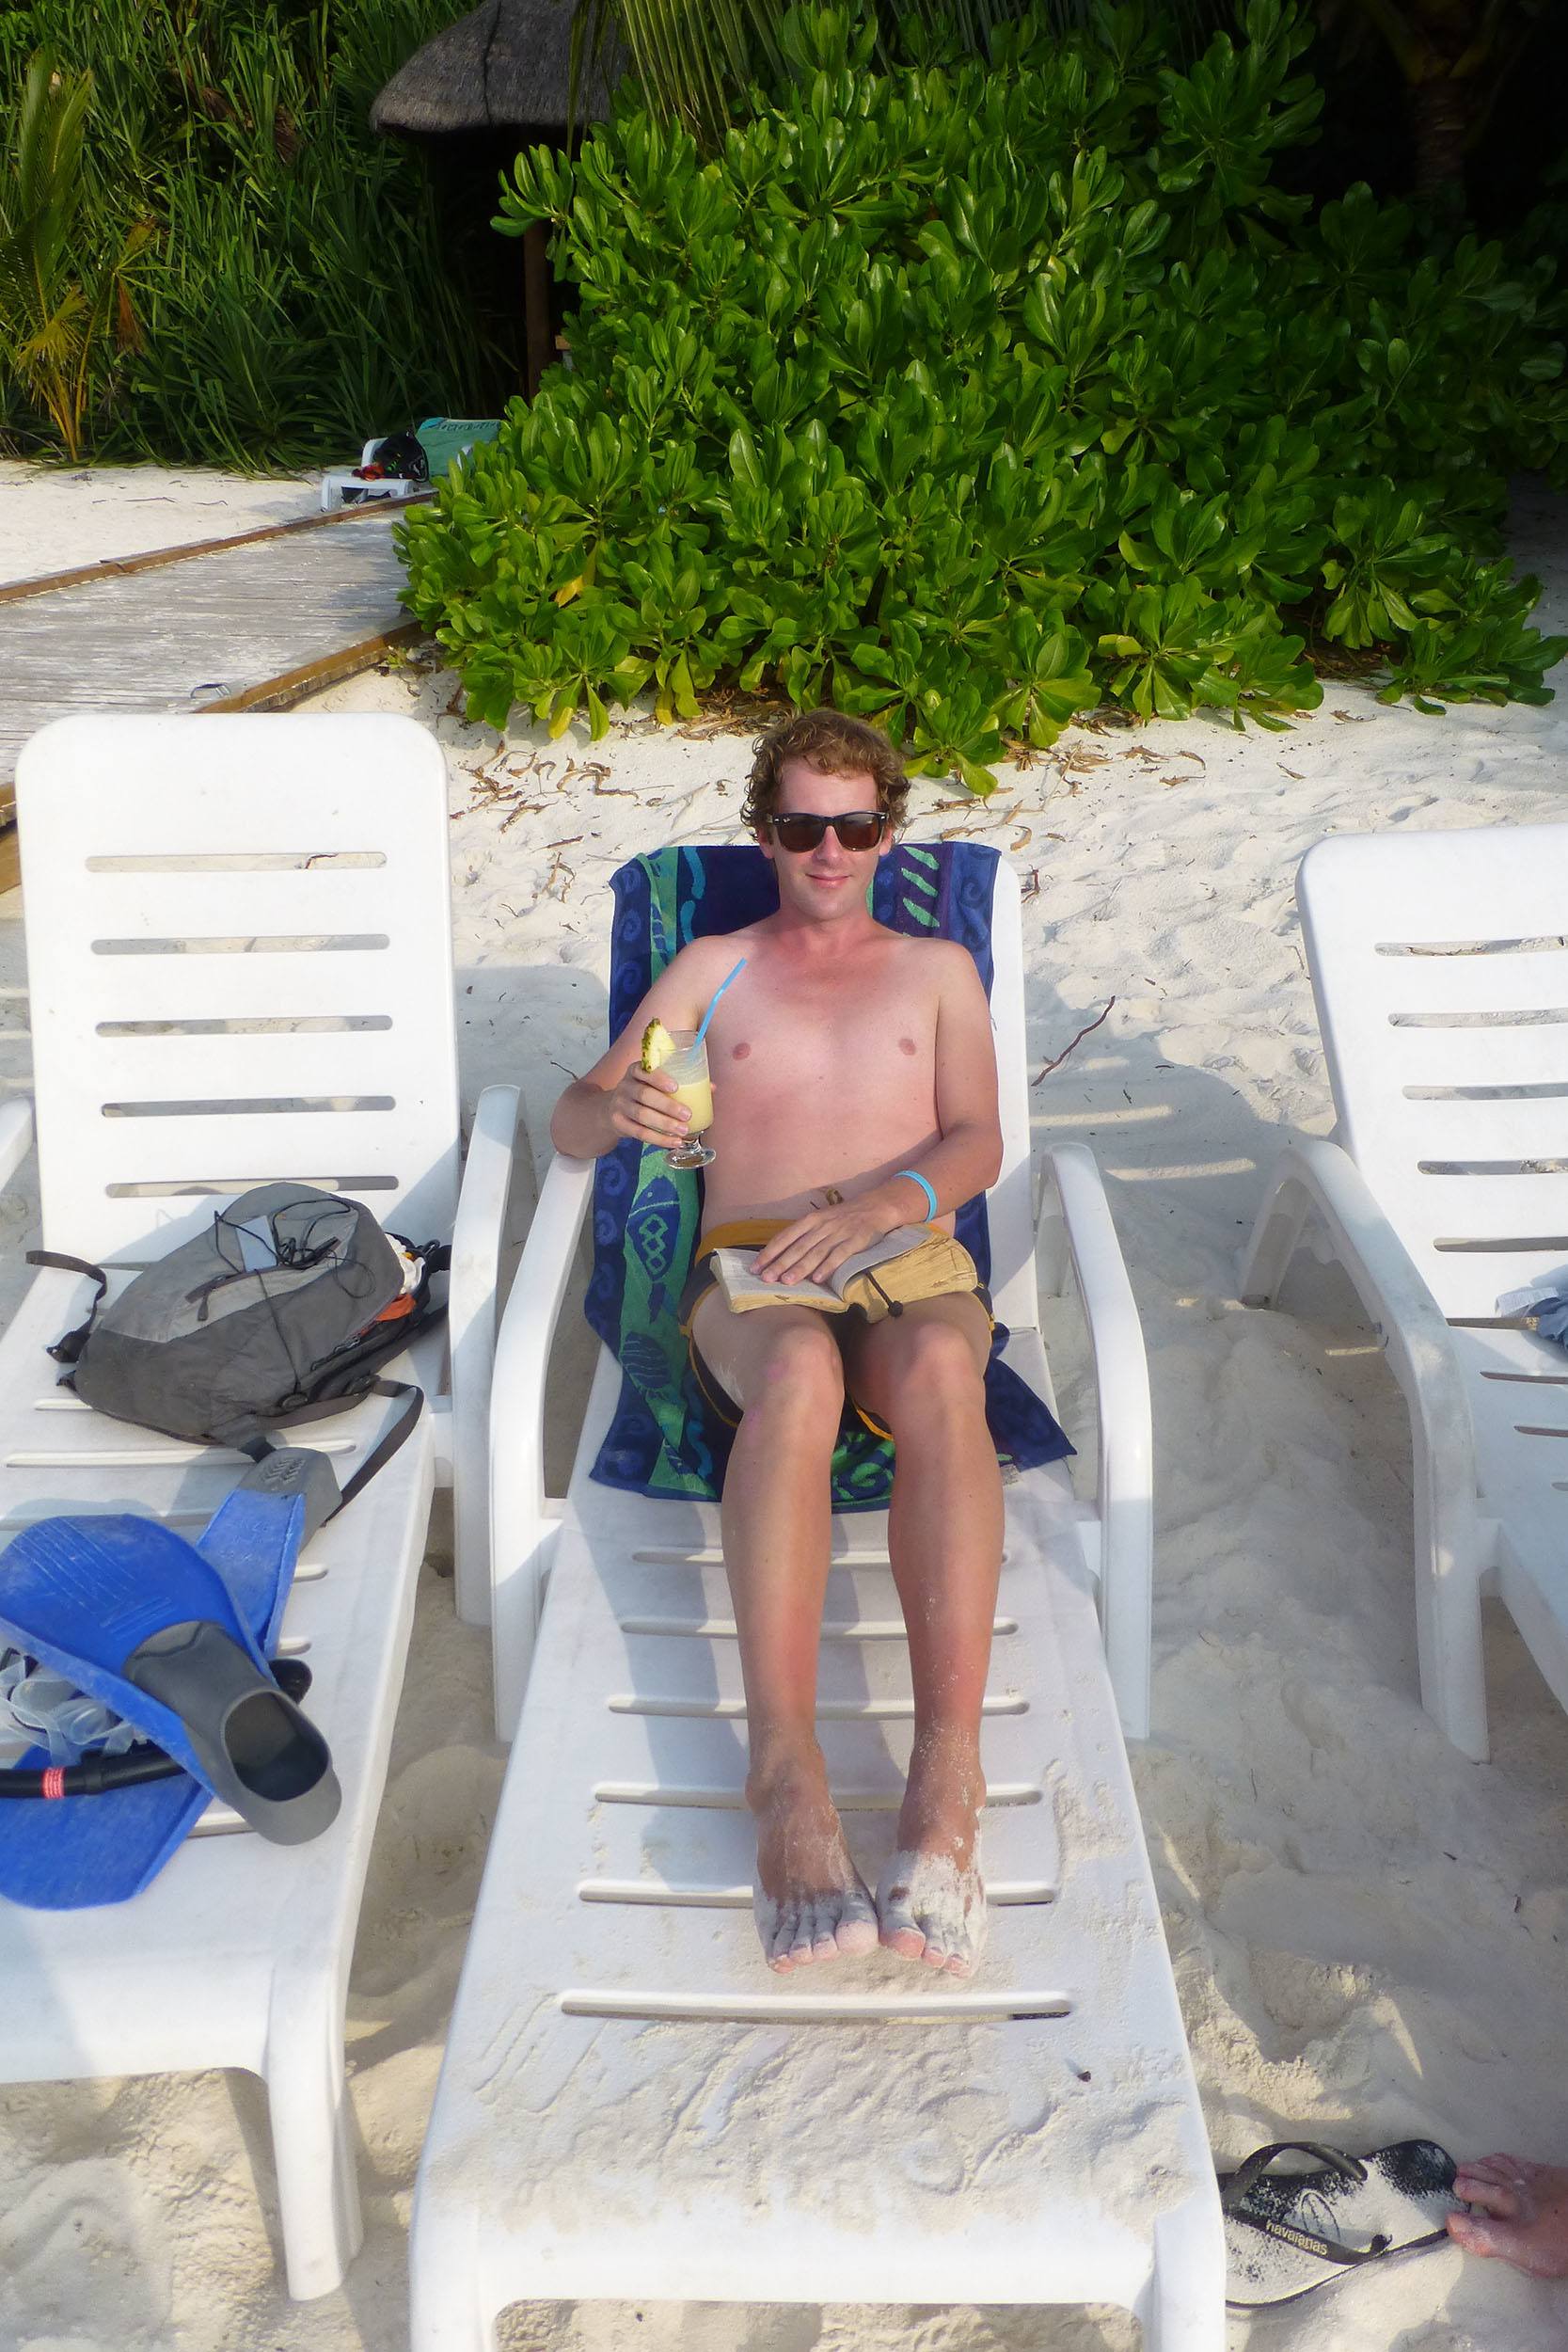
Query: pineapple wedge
[[657, 1045]]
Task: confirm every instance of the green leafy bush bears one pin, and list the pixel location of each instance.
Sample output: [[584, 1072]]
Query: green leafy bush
[[295, 287], [967, 397]]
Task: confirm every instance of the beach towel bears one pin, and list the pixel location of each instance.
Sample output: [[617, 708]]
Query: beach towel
[[664, 1441]]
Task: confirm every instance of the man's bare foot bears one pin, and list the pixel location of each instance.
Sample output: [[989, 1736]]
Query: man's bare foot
[[1523, 2218], [930, 1901], [811, 1902]]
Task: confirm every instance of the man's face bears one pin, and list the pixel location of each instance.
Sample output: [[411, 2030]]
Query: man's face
[[829, 879]]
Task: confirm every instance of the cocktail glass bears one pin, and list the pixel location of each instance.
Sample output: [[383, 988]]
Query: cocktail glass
[[688, 1065]]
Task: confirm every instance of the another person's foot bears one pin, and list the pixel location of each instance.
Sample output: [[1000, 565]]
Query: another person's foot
[[1523, 2215], [930, 1901], [811, 1902]]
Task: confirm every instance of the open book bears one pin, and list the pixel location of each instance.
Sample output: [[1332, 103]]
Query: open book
[[909, 1262]]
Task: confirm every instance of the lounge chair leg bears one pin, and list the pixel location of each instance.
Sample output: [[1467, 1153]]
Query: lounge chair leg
[[318, 2194], [1182, 2307], [1453, 1538], [447, 2313], [1050, 1249], [1449, 1559], [1275, 1241]]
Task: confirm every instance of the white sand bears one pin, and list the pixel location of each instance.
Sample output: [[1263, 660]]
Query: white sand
[[1369, 1932], [53, 519]]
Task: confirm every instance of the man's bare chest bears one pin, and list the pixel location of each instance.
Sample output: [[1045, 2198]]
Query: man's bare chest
[[856, 1034]]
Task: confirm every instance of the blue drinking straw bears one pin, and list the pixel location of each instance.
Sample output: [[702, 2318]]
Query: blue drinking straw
[[712, 1008]]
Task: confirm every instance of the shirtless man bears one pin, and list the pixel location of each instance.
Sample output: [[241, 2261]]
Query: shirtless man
[[852, 1069]]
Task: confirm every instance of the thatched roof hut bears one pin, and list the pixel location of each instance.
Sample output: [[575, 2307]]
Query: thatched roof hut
[[504, 66]]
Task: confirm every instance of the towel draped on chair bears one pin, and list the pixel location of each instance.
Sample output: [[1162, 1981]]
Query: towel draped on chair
[[663, 1440]]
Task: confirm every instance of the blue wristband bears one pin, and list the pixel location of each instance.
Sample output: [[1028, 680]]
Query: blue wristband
[[915, 1178]]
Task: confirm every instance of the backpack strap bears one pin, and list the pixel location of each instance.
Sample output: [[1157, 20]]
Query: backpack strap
[[396, 1435], [67, 1348]]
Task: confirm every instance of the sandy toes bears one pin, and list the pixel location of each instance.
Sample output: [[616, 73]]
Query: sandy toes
[[932, 1910], [811, 1903], [931, 1898], [1521, 2213]]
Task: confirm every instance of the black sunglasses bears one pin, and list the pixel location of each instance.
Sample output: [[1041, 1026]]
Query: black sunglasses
[[857, 829]]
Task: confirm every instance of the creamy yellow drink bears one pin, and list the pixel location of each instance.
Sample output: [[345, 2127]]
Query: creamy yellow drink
[[697, 1094], [680, 1055]]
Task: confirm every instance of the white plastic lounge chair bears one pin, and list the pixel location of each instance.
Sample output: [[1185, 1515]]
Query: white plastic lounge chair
[[1439, 962], [630, 2105], [239, 942]]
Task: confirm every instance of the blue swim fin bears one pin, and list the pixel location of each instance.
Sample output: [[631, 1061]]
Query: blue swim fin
[[173, 1636]]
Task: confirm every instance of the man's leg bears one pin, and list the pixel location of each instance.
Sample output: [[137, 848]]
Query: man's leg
[[922, 1373], [781, 1366]]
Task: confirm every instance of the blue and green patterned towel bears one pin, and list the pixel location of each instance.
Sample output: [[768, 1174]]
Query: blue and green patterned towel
[[664, 1440]]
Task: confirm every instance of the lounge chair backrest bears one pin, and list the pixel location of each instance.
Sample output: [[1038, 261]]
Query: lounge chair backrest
[[1440, 965], [192, 1033]]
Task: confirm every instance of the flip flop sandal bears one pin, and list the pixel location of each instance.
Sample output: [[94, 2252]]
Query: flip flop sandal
[[1286, 2232]]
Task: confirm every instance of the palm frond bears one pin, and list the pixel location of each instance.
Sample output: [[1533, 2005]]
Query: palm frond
[[695, 60]]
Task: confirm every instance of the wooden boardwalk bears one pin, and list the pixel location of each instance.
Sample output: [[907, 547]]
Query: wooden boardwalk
[[243, 623]]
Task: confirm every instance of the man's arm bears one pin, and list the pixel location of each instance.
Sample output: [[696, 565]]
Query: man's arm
[[968, 1158], [965, 1160], [618, 1097]]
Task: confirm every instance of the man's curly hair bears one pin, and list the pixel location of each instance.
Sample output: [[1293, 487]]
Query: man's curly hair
[[836, 745]]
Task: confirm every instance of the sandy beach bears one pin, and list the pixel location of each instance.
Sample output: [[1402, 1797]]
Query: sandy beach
[[1369, 1932], [55, 519]]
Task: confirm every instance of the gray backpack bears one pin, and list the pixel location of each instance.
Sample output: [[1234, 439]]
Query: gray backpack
[[280, 1311]]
